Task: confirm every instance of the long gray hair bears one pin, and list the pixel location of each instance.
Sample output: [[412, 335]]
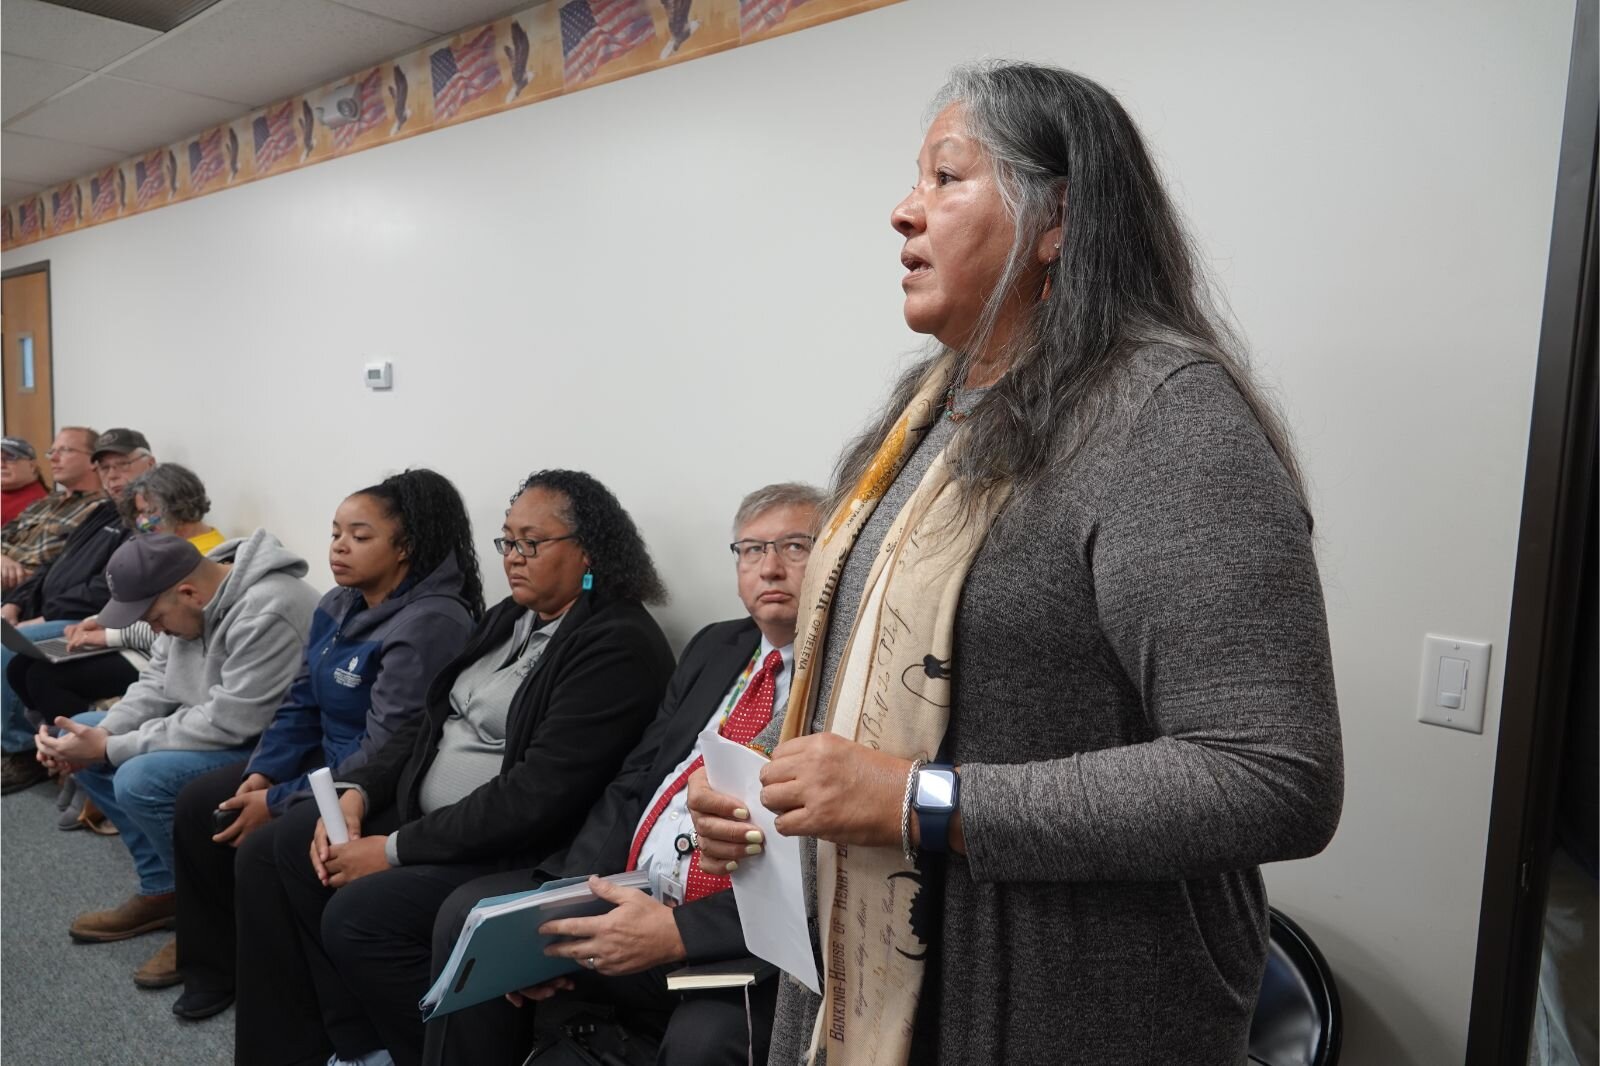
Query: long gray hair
[[1065, 153]]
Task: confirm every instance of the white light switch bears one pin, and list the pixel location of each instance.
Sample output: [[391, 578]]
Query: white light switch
[[1452, 682], [1455, 683]]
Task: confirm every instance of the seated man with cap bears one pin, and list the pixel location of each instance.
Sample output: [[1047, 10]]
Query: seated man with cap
[[39, 531], [731, 677], [67, 589], [21, 484], [234, 627]]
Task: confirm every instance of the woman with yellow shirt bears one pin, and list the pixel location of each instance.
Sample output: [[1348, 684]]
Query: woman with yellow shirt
[[171, 499]]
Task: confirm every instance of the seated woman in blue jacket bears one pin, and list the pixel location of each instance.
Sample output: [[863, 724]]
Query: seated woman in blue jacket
[[518, 737], [407, 594]]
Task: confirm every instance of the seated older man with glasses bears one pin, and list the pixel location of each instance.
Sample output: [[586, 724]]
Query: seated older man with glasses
[[71, 587], [39, 533]]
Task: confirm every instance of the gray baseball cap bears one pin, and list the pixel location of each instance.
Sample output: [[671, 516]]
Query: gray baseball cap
[[17, 448], [142, 569], [120, 440]]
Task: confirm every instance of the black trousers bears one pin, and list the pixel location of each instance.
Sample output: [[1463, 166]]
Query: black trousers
[[706, 1028], [66, 689], [323, 969], [204, 872]]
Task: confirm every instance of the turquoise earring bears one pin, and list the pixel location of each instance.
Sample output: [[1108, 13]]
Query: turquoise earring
[[588, 580]]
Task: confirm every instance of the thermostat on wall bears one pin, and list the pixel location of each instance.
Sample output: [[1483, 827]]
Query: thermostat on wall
[[380, 375]]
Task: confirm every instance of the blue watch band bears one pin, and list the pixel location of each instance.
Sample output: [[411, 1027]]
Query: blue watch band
[[937, 799]]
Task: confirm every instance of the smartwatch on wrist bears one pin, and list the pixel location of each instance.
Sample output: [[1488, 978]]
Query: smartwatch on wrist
[[937, 798]]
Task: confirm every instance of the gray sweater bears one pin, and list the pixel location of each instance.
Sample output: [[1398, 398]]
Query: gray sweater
[[221, 690], [1144, 712]]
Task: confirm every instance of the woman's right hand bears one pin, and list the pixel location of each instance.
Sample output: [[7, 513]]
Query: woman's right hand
[[88, 633], [354, 807], [722, 822]]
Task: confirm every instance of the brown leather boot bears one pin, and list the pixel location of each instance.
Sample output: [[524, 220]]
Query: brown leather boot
[[94, 820], [19, 771], [138, 914], [161, 969]]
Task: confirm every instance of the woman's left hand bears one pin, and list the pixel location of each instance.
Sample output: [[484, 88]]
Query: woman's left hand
[[827, 787], [358, 858]]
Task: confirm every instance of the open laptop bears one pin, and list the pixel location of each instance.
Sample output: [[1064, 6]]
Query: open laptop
[[53, 650]]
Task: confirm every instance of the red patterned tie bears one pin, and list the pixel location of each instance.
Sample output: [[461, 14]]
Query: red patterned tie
[[749, 717]]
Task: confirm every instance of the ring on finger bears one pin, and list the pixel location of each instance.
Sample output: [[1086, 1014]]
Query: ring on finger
[[593, 965]]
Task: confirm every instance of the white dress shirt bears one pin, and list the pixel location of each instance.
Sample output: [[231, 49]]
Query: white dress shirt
[[659, 853]]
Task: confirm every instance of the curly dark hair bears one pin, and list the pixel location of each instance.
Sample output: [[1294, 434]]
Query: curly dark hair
[[618, 558], [433, 526]]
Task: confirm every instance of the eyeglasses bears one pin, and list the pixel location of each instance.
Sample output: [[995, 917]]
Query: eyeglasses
[[789, 549], [62, 450], [528, 549], [115, 466]]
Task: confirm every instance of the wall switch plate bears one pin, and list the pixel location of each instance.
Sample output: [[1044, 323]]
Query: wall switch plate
[[1455, 683]]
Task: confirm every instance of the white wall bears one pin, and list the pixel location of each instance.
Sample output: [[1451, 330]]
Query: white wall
[[686, 283]]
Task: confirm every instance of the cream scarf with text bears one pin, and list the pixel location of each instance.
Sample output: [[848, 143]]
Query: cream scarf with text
[[892, 692]]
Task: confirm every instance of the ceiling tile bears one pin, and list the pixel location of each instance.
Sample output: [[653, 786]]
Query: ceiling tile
[[35, 159], [127, 116], [25, 82], [11, 190], [260, 51], [71, 38], [437, 17]]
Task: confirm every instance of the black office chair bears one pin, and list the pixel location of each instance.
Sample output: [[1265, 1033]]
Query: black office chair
[[1297, 1020]]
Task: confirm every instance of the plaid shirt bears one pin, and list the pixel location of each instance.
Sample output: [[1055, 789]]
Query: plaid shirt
[[37, 535]]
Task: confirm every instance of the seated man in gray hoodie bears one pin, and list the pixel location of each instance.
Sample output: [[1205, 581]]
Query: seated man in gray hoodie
[[233, 627]]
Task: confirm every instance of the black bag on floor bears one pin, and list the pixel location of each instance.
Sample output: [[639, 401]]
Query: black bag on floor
[[591, 1038]]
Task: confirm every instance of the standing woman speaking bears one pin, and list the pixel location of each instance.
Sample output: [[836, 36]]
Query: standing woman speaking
[[1063, 682]]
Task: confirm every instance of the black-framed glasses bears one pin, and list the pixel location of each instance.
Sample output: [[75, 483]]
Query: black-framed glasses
[[795, 549], [528, 549]]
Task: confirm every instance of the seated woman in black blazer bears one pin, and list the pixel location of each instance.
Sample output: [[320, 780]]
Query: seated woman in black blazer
[[519, 737]]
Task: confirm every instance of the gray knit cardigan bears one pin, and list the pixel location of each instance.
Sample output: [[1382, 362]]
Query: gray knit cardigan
[[1144, 713]]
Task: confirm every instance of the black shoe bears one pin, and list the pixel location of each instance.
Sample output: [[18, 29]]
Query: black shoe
[[194, 1006], [21, 770]]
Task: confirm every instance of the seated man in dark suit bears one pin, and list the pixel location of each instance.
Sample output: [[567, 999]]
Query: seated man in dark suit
[[731, 676]]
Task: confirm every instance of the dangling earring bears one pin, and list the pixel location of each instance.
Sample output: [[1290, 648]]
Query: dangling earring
[[588, 580]]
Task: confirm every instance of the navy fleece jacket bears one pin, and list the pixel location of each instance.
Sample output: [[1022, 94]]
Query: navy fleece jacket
[[364, 672]]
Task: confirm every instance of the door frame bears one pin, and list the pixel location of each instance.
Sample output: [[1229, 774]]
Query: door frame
[[42, 266], [1558, 498]]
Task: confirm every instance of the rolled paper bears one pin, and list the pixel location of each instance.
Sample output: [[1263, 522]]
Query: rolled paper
[[328, 805]]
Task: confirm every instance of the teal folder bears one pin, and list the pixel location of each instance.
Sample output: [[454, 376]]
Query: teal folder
[[500, 949]]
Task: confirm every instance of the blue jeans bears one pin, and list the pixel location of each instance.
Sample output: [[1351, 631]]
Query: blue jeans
[[139, 797], [15, 732]]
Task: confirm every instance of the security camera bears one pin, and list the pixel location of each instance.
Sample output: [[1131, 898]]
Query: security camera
[[339, 107]]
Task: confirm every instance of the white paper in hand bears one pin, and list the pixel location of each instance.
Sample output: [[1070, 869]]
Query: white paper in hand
[[327, 798], [767, 887]]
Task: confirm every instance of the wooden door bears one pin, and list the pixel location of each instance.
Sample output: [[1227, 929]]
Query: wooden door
[[25, 359]]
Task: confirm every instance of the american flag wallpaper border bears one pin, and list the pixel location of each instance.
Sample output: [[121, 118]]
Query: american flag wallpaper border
[[544, 50]]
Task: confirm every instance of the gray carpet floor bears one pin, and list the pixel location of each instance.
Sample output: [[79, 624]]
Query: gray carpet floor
[[67, 1003]]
